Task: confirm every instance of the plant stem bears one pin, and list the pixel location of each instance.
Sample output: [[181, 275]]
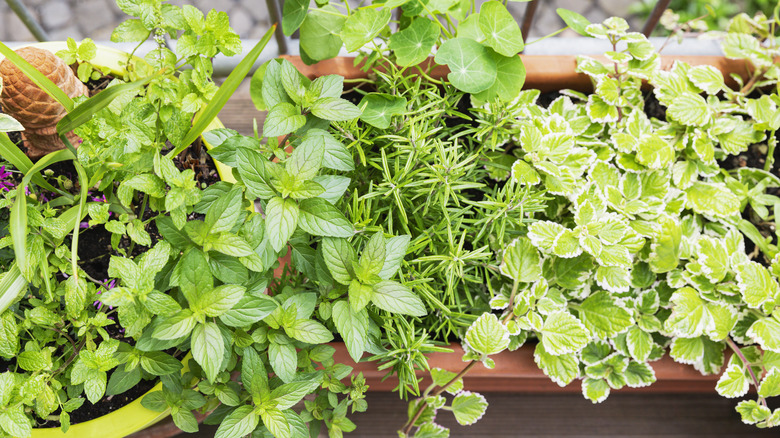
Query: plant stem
[[421, 408], [770, 153], [752, 82], [735, 348]]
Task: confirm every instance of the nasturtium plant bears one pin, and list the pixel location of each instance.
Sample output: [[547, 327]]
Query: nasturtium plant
[[479, 46]]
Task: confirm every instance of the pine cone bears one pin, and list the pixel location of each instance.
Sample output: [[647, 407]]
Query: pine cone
[[32, 107]]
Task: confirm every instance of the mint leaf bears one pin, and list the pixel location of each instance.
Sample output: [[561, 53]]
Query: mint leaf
[[219, 300], [208, 348], [353, 327], [284, 360], [487, 335], [334, 109], [289, 394], [248, 310], [281, 219], [284, 118], [318, 217], [176, 326], [241, 422], [395, 251], [276, 423], [394, 297], [339, 256], [309, 331]]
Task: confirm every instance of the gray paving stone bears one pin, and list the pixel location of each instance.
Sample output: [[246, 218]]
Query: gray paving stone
[[16, 30], [618, 8], [94, 14], [240, 20], [55, 14], [64, 33]]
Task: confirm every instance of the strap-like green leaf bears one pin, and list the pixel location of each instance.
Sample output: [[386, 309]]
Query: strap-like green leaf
[[87, 109]]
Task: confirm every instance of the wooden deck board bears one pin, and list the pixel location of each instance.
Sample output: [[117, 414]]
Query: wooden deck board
[[568, 415]]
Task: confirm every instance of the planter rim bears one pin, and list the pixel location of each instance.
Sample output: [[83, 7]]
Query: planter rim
[[133, 416], [543, 72]]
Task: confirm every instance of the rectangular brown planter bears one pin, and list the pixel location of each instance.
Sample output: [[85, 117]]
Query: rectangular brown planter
[[516, 371], [545, 73]]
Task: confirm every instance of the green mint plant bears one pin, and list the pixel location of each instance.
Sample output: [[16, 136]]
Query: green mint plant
[[188, 265], [82, 55]]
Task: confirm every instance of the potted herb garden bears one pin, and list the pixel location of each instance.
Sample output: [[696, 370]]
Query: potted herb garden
[[421, 202]]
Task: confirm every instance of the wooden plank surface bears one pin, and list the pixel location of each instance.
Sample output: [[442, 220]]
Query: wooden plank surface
[[239, 113], [568, 415]]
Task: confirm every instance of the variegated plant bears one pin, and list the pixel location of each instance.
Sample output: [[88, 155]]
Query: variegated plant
[[642, 247]]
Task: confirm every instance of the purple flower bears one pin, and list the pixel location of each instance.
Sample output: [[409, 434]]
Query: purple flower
[[107, 285], [101, 198], [6, 183]]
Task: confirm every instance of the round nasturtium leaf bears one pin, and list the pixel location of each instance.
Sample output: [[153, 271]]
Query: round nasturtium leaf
[[509, 79], [500, 29], [320, 34], [294, 12], [413, 44], [362, 26], [379, 108], [469, 28], [472, 69]]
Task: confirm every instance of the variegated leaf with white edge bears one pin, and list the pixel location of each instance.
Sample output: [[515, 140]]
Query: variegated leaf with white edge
[[734, 382]]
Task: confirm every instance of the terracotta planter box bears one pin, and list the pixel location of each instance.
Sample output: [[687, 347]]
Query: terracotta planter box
[[545, 73], [516, 371]]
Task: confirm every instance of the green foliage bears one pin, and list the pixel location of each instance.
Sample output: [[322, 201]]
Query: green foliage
[[479, 47], [191, 267], [641, 244]]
